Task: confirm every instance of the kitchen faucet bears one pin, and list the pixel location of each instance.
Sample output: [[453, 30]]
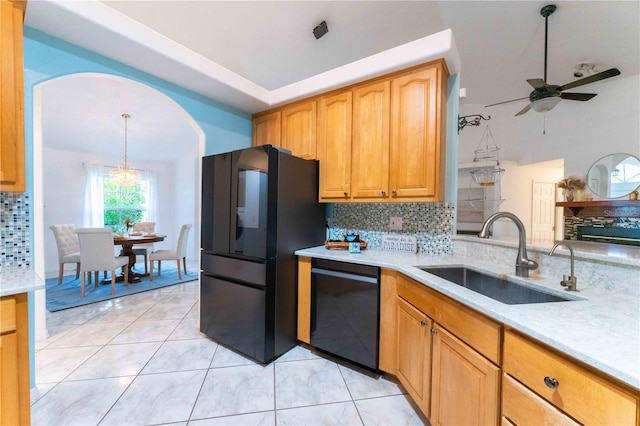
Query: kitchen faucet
[[571, 282], [523, 263]]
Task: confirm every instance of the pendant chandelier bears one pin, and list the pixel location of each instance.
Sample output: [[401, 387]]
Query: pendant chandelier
[[123, 175]]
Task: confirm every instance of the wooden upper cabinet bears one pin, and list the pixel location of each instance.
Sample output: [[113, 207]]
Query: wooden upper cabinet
[[334, 145], [12, 157], [299, 129], [416, 160], [370, 164], [266, 129]]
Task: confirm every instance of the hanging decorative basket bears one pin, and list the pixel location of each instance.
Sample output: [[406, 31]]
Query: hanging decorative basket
[[487, 176], [487, 152]]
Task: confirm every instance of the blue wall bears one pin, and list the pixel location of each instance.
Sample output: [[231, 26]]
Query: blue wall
[[47, 57]]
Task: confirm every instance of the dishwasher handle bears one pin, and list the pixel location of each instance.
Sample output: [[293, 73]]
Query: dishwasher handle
[[345, 275]]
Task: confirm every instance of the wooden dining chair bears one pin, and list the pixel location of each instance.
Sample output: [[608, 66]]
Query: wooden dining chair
[[96, 254], [180, 253], [147, 248], [68, 247]]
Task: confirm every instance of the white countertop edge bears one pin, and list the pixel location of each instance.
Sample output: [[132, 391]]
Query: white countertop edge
[[561, 325], [19, 280]]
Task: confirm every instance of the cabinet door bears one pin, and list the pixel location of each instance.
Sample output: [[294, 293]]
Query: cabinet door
[[9, 385], [465, 385], [12, 161], [415, 135], [414, 353], [266, 129], [334, 146], [299, 129], [370, 164]]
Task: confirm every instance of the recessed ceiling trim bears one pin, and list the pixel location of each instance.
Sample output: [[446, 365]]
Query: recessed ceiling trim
[[147, 50], [435, 46]]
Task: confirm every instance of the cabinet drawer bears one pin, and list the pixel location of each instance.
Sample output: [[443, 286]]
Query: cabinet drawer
[[473, 328], [7, 315], [523, 407], [583, 395]]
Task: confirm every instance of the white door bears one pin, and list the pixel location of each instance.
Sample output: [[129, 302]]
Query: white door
[[543, 214]]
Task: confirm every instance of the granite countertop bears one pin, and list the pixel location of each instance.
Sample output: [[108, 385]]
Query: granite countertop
[[601, 327], [19, 280]]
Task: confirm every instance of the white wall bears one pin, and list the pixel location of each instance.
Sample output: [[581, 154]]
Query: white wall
[[63, 196], [577, 132]]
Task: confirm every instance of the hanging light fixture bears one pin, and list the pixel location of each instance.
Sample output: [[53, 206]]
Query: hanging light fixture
[[123, 175], [487, 153]]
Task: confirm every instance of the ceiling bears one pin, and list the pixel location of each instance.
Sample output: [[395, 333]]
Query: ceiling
[[245, 53]]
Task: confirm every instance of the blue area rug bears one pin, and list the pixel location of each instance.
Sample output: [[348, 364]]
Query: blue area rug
[[67, 294]]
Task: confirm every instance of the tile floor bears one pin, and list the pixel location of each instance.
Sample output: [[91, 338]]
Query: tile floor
[[141, 360]]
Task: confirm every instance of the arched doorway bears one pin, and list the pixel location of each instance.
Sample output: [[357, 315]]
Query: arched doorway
[[77, 119]]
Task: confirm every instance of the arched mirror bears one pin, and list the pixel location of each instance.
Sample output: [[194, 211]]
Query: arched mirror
[[614, 176]]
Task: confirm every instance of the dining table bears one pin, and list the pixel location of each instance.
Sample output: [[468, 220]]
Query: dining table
[[127, 241]]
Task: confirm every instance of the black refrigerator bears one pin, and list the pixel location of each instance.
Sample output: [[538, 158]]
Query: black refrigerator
[[259, 205]]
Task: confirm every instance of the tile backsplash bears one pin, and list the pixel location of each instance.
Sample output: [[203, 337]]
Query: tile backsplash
[[571, 224], [14, 230], [431, 223]]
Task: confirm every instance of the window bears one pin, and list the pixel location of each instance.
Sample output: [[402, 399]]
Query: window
[[122, 202]]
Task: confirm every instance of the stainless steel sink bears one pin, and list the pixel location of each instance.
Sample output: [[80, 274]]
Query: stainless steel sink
[[500, 289]]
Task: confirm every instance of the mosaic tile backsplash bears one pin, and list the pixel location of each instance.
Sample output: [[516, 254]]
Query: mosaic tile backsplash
[[14, 230], [431, 223], [571, 224]]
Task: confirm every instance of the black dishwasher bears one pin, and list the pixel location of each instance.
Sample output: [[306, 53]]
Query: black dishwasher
[[345, 302]]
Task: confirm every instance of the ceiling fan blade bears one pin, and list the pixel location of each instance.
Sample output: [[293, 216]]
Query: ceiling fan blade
[[578, 96], [536, 83], [592, 78], [523, 110], [506, 102]]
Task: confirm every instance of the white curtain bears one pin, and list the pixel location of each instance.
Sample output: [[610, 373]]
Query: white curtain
[[94, 196], [152, 198]]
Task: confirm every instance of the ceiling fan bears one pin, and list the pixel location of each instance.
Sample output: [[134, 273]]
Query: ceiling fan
[[546, 96]]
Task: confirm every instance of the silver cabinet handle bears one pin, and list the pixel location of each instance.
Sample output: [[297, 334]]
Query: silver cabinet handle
[[346, 194], [551, 382], [434, 331], [394, 192], [384, 193], [423, 323]]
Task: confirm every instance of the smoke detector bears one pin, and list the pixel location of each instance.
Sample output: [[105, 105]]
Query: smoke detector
[[584, 68]]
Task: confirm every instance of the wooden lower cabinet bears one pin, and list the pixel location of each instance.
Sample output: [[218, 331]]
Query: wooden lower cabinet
[[14, 361], [450, 381], [565, 387], [414, 353], [465, 385]]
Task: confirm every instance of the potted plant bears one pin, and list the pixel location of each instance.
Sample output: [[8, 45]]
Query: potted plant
[[570, 185]]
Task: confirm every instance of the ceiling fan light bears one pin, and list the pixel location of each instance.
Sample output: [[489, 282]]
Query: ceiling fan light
[[545, 104]]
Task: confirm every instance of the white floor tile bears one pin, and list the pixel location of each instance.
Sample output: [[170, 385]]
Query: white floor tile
[[146, 331], [116, 361], [89, 334], [265, 418], [227, 358], [343, 413], [363, 384], [78, 403], [236, 390], [187, 329], [309, 382], [53, 365], [157, 398], [389, 410], [182, 355]]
